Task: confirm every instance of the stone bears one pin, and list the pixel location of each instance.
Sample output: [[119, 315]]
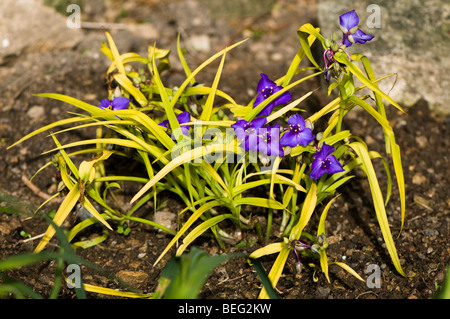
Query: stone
[[21, 30], [36, 112], [145, 31], [5, 228], [164, 218], [136, 279], [322, 292], [200, 43], [418, 179], [422, 141], [430, 232], [411, 40]]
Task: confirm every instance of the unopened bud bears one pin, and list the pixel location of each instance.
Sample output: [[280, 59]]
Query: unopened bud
[[321, 239], [319, 136], [315, 248], [333, 37], [300, 247], [61, 186], [287, 150], [117, 92], [298, 267], [309, 124], [334, 46], [265, 160]]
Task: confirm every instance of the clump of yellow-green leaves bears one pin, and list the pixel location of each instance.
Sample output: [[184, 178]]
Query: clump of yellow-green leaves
[[264, 154]]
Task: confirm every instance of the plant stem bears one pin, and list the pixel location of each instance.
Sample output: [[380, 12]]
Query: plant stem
[[269, 225]]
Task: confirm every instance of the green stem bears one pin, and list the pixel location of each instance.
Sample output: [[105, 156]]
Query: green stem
[[269, 225]]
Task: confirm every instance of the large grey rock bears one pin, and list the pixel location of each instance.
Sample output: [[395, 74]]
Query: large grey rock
[[29, 26], [412, 40]]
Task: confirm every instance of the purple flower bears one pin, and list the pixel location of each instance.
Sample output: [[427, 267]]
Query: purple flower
[[298, 133], [118, 103], [352, 34], [266, 88], [182, 118], [325, 162], [269, 141], [249, 132]]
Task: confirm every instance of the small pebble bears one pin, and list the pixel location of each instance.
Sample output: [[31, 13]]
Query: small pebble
[[430, 232]]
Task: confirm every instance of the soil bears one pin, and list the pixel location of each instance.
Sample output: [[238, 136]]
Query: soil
[[353, 230]]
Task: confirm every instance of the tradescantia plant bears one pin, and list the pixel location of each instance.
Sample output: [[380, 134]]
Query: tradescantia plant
[[263, 154]]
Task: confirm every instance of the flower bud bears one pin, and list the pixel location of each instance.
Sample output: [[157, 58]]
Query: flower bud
[[298, 267], [321, 239], [300, 246], [333, 37], [287, 150], [334, 46], [117, 92], [309, 124], [265, 160], [319, 136], [315, 248]]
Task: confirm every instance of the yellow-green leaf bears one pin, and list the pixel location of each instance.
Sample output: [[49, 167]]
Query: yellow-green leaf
[[63, 211], [378, 202]]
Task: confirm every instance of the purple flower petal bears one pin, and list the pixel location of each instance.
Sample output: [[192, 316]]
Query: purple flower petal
[[348, 21], [267, 109], [297, 119], [288, 139], [283, 98], [269, 142], [265, 89], [305, 137], [251, 142], [258, 122], [324, 152], [316, 170], [360, 37], [334, 165], [105, 104], [259, 99], [181, 118], [265, 82], [325, 162], [120, 103], [164, 124], [248, 132], [298, 134], [239, 128], [184, 117]]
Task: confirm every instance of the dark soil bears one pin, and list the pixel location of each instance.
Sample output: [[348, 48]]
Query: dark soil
[[352, 227]]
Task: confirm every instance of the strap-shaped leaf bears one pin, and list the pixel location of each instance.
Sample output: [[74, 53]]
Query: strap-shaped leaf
[[200, 229], [308, 208], [378, 203], [304, 34], [63, 211], [208, 107]]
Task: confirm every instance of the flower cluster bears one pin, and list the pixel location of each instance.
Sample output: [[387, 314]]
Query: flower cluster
[[269, 140], [351, 34]]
